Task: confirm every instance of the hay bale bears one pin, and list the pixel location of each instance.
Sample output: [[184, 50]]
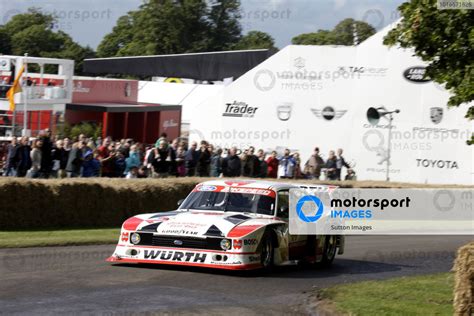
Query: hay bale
[[102, 202], [464, 281]]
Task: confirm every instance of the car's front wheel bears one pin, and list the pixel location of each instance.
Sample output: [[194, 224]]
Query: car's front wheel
[[267, 251], [329, 252]]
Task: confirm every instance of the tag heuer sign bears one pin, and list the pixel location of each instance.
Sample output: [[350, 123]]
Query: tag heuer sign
[[416, 74], [4, 64], [436, 114]]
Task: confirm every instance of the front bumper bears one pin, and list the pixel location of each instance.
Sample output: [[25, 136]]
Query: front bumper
[[228, 260]]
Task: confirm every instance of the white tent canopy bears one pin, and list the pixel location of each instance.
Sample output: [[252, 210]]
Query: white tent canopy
[[307, 96]]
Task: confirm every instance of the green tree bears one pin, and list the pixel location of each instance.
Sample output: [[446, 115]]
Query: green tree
[[120, 36], [169, 26], [321, 37], [255, 40], [5, 42], [444, 39], [32, 33], [344, 31], [342, 34], [88, 129], [225, 29]]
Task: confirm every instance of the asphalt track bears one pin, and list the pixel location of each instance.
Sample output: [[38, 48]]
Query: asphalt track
[[77, 280]]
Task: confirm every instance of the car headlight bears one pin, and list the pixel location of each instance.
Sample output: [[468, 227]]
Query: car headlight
[[225, 244], [135, 238]]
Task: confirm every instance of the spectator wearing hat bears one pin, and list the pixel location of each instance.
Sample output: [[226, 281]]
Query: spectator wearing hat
[[90, 165], [286, 166]]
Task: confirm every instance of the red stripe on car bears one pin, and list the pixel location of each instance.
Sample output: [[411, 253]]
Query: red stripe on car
[[132, 223], [240, 231]]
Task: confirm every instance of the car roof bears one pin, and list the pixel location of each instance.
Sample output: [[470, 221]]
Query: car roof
[[258, 184]]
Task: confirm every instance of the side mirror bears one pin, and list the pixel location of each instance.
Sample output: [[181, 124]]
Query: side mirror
[[180, 202]]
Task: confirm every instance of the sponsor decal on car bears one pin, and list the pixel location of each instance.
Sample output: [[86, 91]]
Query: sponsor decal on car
[[249, 191], [179, 232], [250, 242], [207, 188], [170, 255], [254, 258], [124, 236], [237, 244]]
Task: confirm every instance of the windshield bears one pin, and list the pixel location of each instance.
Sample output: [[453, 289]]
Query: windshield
[[231, 202]]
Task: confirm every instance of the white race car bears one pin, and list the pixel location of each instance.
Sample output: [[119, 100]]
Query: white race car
[[226, 224]]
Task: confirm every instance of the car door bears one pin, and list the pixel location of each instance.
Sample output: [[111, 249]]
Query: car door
[[296, 243]]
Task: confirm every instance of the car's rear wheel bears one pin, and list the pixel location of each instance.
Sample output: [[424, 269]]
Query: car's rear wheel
[[267, 251], [329, 252]]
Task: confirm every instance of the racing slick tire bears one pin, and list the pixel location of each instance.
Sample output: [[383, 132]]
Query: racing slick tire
[[329, 251], [267, 251]]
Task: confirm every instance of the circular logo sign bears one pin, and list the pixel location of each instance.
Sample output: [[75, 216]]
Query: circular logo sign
[[264, 80], [329, 113], [311, 199]]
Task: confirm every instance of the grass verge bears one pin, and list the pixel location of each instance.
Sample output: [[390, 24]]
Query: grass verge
[[58, 237], [418, 295]]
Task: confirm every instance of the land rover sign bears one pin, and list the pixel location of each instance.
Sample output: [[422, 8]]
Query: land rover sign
[[416, 74]]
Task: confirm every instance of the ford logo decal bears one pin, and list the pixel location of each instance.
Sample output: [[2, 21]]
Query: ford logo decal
[[178, 242]]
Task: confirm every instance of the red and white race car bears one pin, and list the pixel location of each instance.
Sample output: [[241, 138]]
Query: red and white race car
[[226, 224]]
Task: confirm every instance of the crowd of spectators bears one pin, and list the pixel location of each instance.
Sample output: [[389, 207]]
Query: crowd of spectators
[[50, 157]]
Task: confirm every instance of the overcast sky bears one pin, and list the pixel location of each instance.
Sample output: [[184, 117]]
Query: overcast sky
[[87, 21]]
